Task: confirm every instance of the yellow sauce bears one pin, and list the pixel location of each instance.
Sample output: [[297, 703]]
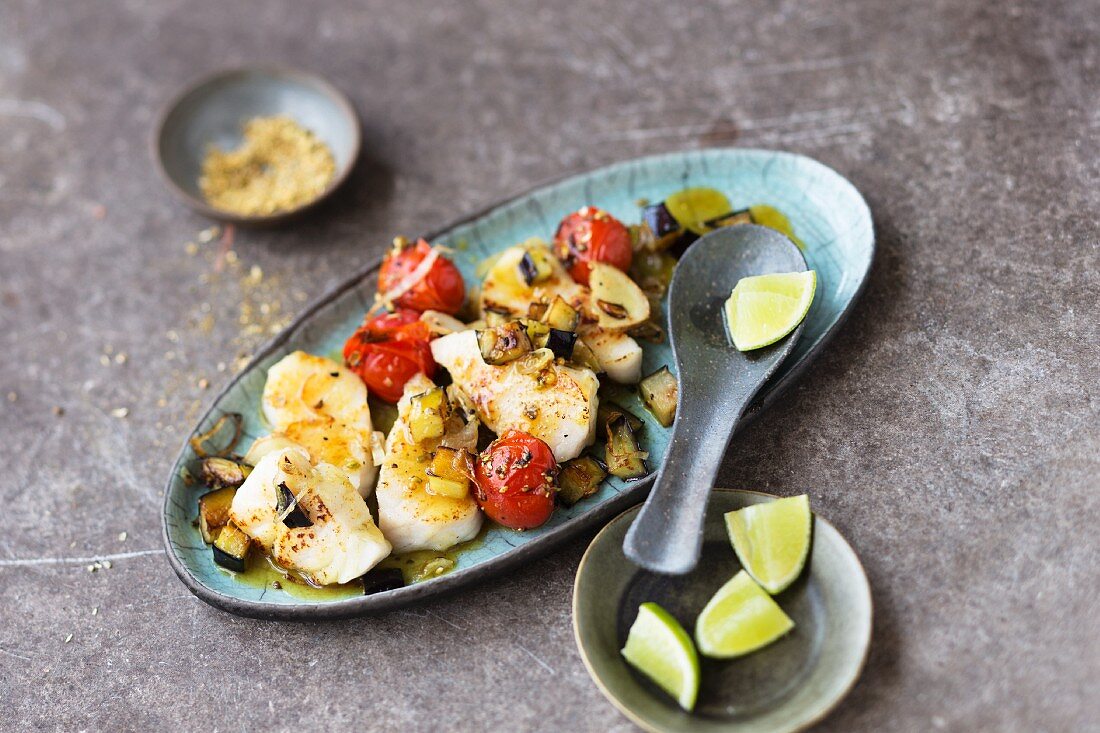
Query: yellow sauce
[[260, 572], [412, 564], [773, 218]]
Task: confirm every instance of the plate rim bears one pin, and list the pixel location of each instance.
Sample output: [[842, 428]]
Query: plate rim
[[647, 725], [366, 605]]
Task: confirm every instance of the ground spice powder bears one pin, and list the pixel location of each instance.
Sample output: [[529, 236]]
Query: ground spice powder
[[280, 166]]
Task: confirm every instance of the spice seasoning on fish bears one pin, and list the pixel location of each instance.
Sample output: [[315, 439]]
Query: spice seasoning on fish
[[280, 166]]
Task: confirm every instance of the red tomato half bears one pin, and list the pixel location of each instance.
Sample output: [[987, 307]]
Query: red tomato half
[[385, 364], [515, 480], [441, 288], [592, 235]]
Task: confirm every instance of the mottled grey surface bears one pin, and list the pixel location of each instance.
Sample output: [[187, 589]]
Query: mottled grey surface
[[950, 431]]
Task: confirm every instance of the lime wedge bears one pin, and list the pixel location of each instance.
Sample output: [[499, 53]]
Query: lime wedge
[[765, 308], [772, 540], [740, 618], [658, 647], [693, 207]]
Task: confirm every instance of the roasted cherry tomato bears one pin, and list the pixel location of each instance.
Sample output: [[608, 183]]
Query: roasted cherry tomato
[[592, 235], [388, 350], [515, 480], [402, 323], [440, 288]]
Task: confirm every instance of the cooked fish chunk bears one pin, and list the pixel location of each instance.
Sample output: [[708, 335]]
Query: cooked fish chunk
[[326, 441], [619, 355], [302, 387], [409, 516], [253, 507], [322, 406], [558, 407], [504, 289], [343, 541]]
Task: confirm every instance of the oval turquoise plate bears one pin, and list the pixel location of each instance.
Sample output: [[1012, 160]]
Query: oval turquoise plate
[[787, 686], [827, 214]]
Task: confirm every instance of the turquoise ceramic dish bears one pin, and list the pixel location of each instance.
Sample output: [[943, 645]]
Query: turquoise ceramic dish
[[827, 214]]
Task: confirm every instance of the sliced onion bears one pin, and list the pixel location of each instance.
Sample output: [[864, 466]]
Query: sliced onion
[[197, 441]]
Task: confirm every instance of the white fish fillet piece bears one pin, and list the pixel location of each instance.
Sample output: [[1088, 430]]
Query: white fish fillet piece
[[322, 406], [562, 414], [409, 516], [343, 542]]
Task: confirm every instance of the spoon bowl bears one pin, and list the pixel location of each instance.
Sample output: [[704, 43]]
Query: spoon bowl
[[717, 383]]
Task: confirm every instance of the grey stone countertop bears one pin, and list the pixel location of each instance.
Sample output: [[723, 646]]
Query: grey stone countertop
[[950, 431]]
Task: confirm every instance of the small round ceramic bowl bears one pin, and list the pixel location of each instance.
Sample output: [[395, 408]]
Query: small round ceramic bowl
[[213, 111], [784, 687]]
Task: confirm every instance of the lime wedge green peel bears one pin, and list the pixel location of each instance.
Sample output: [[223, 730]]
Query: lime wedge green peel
[[740, 618], [772, 540], [765, 308], [658, 647]]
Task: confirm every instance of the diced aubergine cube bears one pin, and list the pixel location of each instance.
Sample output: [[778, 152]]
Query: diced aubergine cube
[[534, 267], [496, 318], [585, 357], [379, 580], [214, 512], [449, 473], [624, 458], [285, 498], [561, 315], [660, 392], [537, 331], [608, 412], [537, 310], [219, 473], [579, 478], [438, 486], [428, 413], [561, 343], [666, 230], [231, 548], [502, 344]]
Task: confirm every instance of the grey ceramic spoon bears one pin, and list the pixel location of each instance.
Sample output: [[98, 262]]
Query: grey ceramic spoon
[[716, 384]]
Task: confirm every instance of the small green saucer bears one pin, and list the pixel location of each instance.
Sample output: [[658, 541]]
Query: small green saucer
[[787, 686]]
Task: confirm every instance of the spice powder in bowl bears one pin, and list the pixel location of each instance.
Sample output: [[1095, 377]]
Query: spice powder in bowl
[[280, 166]]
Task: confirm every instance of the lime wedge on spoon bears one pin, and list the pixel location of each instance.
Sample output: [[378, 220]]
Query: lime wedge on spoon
[[658, 647], [772, 540], [740, 618], [765, 308]]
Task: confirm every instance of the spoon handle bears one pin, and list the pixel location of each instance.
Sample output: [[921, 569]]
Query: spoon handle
[[666, 536]]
